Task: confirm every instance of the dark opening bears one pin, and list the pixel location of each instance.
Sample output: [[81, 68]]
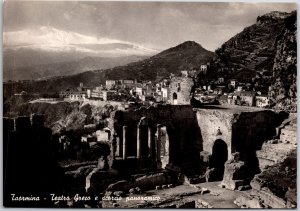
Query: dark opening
[[174, 96], [144, 140], [218, 158]]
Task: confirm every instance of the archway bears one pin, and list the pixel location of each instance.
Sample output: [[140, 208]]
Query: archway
[[174, 98], [218, 158]]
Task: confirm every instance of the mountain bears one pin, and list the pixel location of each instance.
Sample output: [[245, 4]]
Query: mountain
[[265, 52], [46, 52], [187, 55], [254, 48], [31, 71]]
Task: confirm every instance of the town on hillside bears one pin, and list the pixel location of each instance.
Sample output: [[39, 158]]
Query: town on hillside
[[220, 91]]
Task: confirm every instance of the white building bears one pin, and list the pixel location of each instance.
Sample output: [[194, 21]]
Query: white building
[[233, 83], [110, 84], [203, 68]]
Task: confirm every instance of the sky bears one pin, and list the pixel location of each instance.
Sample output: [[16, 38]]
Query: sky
[[153, 25]]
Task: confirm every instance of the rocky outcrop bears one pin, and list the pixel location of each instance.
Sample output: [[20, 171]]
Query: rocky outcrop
[[276, 185], [284, 90], [64, 116]]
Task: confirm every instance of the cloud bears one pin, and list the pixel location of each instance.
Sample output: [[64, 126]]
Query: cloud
[[52, 39], [158, 25]]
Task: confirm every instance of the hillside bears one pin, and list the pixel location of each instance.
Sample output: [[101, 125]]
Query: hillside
[[284, 86], [187, 55], [254, 48]]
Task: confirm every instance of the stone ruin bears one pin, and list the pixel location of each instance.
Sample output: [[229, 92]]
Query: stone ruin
[[161, 144], [194, 140]]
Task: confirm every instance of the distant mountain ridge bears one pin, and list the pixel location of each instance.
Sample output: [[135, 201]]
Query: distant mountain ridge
[[185, 56], [46, 52], [59, 67]]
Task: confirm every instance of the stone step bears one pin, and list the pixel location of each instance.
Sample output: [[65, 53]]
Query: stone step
[[290, 128], [274, 157], [279, 147], [263, 163], [272, 153]]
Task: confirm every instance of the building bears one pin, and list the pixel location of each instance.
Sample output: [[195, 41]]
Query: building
[[262, 101], [219, 90], [246, 98], [139, 91], [97, 93], [221, 80], [80, 93], [73, 95], [108, 95], [110, 84], [239, 88], [180, 90], [233, 83], [203, 69]]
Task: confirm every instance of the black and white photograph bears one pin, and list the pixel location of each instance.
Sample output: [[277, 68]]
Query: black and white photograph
[[149, 104]]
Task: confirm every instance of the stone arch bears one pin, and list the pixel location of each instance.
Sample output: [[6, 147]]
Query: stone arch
[[219, 157]]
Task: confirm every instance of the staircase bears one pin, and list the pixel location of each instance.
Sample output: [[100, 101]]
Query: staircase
[[274, 151]]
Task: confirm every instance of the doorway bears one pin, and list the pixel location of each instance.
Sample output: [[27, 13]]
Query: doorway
[[218, 158]]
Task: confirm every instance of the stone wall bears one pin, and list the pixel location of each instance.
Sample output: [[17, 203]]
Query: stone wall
[[215, 124]]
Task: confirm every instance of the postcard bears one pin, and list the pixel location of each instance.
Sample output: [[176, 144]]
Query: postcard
[[121, 104]]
